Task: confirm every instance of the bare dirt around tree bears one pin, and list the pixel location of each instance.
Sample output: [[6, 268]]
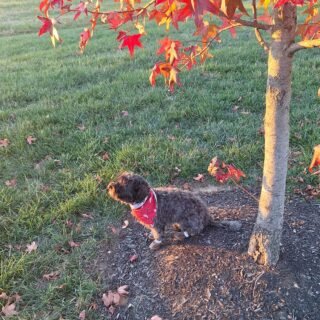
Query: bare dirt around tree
[[211, 276]]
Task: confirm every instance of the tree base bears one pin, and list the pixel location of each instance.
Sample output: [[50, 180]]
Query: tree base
[[264, 246]]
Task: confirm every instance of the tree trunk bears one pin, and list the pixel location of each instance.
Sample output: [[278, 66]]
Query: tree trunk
[[264, 244]]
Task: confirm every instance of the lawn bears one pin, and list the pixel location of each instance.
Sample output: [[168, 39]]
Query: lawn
[[95, 115]]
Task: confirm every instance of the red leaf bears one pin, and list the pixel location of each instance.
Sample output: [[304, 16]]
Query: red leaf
[[80, 8], [316, 158], [129, 41], [84, 38], [46, 25]]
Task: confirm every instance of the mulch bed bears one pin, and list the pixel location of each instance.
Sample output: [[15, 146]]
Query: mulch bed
[[210, 276]]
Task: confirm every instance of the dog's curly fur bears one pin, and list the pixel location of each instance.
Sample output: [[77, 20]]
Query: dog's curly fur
[[182, 210]]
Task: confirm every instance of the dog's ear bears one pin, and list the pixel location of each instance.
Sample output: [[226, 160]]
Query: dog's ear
[[141, 188]]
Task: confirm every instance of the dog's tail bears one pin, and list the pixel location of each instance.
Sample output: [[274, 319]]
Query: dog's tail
[[230, 224]]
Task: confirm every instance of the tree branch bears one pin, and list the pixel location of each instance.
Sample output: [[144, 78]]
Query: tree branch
[[305, 44], [265, 45], [257, 32]]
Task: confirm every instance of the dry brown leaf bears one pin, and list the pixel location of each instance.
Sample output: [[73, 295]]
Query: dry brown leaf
[[87, 215], [9, 310], [51, 276], [93, 306], [112, 309], [107, 299], [31, 139], [3, 296], [4, 143], [82, 315], [116, 298], [11, 183], [31, 247], [81, 127], [123, 290], [73, 244], [105, 156]]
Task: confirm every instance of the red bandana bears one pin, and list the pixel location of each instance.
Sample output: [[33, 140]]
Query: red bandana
[[147, 211]]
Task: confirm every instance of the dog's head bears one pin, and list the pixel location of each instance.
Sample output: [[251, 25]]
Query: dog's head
[[129, 188]]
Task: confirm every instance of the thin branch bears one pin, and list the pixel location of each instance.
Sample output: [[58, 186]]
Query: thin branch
[[209, 43], [265, 45], [305, 44], [245, 190], [257, 32]]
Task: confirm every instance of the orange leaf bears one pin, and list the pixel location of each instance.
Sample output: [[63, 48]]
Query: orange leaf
[[316, 158]]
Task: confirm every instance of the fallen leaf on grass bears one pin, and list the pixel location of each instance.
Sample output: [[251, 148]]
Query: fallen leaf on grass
[[31, 139], [124, 113], [107, 299], [199, 177], [87, 216], [31, 247], [105, 156], [9, 310], [82, 315], [156, 317], [81, 127], [73, 244], [11, 183], [4, 143], [51, 276], [3, 296], [125, 224]]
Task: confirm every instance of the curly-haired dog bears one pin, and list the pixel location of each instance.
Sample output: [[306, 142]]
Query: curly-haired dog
[[159, 208]]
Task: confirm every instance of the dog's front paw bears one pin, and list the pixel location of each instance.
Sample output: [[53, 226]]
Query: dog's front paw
[[155, 244]]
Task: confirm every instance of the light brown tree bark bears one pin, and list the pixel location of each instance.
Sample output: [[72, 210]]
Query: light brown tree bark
[[264, 244]]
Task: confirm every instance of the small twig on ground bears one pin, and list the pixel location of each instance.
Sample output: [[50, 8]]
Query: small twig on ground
[[256, 281]]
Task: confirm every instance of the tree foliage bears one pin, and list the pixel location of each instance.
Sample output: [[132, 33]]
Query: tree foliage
[[210, 19]]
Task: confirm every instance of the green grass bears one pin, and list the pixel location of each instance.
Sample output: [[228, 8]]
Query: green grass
[[48, 92]]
